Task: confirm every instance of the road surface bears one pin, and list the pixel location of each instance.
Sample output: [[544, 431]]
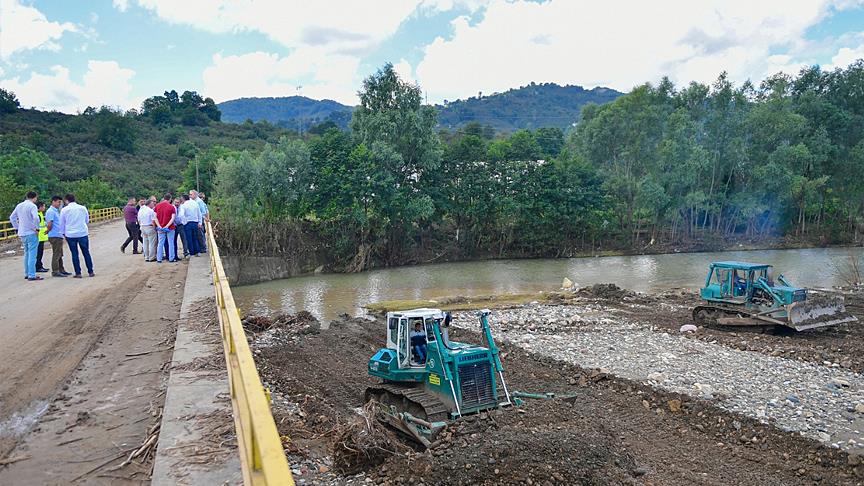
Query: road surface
[[47, 328]]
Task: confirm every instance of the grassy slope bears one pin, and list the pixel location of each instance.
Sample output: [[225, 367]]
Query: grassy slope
[[155, 165]]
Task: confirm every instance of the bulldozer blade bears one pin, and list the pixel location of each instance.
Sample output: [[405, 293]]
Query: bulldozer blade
[[818, 311]]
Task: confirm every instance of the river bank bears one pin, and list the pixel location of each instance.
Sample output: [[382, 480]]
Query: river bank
[[652, 405], [247, 269]]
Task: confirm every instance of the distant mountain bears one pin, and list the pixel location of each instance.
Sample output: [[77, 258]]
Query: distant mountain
[[532, 106], [293, 112]]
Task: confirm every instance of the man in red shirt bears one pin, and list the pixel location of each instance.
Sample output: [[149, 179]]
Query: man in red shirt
[[165, 215]]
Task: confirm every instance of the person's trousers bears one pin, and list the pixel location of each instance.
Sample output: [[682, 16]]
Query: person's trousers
[[30, 243], [180, 232], [40, 251], [56, 254], [84, 243], [202, 240], [191, 229], [134, 236], [150, 240], [166, 238]]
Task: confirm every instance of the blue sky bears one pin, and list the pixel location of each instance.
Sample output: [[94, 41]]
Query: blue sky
[[65, 55]]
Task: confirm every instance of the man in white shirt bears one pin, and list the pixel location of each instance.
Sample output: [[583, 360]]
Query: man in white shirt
[[205, 216], [25, 219], [74, 219], [190, 212], [146, 218]]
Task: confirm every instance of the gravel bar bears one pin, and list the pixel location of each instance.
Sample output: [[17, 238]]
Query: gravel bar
[[823, 402]]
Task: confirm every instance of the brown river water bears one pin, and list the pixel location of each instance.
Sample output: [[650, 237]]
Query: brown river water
[[327, 296]]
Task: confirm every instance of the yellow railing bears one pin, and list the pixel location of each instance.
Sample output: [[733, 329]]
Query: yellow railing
[[262, 458], [96, 215]]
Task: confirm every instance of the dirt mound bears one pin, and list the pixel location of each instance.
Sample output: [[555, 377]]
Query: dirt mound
[[302, 323], [536, 444], [605, 291]]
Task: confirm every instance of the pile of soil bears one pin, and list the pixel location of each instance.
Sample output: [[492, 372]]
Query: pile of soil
[[605, 291], [608, 430]]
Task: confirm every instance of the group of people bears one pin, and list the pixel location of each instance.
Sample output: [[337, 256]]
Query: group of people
[[65, 220], [158, 226]]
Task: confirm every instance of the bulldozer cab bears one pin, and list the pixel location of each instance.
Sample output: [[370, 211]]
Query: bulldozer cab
[[733, 282], [400, 327]]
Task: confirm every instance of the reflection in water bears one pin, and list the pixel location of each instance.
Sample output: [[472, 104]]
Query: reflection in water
[[327, 296]]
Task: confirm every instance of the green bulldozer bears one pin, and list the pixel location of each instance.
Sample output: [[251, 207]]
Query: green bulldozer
[[745, 294], [429, 380]]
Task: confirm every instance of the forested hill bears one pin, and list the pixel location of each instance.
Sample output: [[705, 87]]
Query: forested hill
[[293, 112], [532, 106]]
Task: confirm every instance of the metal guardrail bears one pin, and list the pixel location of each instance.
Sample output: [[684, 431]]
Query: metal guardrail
[[7, 232], [262, 458]]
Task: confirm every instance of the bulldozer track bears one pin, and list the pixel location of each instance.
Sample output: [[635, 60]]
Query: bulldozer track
[[409, 399]]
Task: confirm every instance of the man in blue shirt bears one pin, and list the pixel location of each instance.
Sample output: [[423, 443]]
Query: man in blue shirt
[[55, 237]]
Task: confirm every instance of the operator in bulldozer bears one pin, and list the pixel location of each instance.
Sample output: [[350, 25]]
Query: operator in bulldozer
[[418, 342]]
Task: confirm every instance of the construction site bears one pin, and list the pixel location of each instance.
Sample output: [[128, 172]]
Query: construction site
[[627, 398]]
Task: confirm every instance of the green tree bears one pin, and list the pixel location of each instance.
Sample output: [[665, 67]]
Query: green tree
[[115, 130], [8, 102], [96, 193], [29, 169]]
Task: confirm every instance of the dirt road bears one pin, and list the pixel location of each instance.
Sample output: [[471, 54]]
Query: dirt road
[[47, 329]]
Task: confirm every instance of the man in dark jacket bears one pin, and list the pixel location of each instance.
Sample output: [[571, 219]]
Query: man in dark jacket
[[130, 215]]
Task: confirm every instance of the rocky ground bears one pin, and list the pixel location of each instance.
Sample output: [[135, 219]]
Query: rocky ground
[[650, 406], [820, 400]]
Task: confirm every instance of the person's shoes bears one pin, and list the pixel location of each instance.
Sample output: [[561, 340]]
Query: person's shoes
[[122, 249], [57, 274], [42, 270], [91, 274], [149, 261], [158, 261], [33, 279], [77, 275], [65, 273], [137, 252]]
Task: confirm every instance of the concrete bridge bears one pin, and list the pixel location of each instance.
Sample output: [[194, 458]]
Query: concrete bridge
[[123, 377]]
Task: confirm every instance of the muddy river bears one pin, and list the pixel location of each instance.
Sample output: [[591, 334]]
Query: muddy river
[[327, 296]]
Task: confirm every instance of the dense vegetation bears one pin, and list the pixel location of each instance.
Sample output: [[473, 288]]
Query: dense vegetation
[[105, 156], [532, 106], [528, 107], [658, 166]]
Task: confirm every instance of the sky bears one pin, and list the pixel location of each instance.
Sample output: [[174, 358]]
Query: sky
[[65, 55]]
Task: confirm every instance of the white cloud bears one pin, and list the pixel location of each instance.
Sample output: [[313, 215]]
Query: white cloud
[[23, 27], [618, 43], [339, 26], [121, 5], [405, 71], [265, 74], [104, 83], [846, 56]]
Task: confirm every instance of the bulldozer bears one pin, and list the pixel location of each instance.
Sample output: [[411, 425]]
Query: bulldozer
[[427, 380], [745, 294]]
